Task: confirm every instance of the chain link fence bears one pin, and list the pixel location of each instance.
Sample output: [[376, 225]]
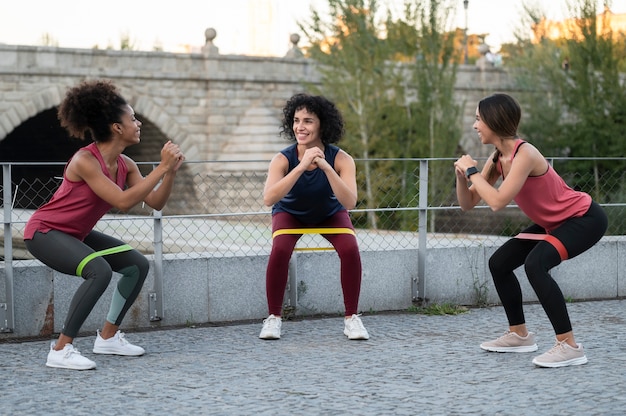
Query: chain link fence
[[216, 208]]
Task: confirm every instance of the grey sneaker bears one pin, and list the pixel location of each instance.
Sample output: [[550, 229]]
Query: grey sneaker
[[69, 358], [561, 355], [511, 342], [354, 329], [271, 327]]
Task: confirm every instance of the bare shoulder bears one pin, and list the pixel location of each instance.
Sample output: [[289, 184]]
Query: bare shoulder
[[279, 162], [528, 150], [83, 164], [130, 163], [533, 158], [343, 156], [83, 159], [279, 159]]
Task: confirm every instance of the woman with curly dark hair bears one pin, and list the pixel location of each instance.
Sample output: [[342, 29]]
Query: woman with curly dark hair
[[60, 233], [312, 184]]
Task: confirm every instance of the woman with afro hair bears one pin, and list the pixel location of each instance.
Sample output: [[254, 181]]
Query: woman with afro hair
[[98, 177], [312, 184]]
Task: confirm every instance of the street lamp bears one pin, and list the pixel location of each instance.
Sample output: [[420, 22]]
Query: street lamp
[[465, 4]]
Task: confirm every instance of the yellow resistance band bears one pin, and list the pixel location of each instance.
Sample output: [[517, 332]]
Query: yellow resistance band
[[313, 231], [112, 250]]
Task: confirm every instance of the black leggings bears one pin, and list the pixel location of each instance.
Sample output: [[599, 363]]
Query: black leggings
[[67, 254], [538, 257]]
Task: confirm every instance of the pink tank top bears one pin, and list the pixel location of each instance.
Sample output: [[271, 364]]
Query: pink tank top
[[74, 208], [547, 200]]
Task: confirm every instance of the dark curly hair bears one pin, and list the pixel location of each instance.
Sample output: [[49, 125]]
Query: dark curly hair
[[331, 121], [90, 108]]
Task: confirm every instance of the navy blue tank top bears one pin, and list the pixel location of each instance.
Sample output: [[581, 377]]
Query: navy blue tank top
[[311, 200]]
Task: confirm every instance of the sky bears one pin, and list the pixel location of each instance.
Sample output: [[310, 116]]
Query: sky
[[244, 27]]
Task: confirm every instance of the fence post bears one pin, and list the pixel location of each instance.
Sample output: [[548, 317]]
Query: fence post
[[418, 289], [155, 300], [7, 317]]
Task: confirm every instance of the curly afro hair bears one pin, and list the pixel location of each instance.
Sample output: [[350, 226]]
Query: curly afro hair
[[331, 121], [90, 108]]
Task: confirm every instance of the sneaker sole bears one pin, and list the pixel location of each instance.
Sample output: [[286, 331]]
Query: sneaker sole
[[269, 337], [573, 361], [527, 348], [68, 367], [110, 352], [356, 338]]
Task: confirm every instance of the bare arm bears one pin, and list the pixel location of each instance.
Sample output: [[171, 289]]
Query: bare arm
[[158, 197], [342, 179], [84, 166], [279, 182], [528, 160]]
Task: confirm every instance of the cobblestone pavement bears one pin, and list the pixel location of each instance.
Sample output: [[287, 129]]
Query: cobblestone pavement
[[412, 364]]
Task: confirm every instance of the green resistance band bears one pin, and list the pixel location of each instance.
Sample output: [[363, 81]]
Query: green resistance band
[[112, 250]]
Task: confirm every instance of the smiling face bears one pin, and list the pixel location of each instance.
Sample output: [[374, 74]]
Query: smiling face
[[306, 127], [485, 134], [129, 128]]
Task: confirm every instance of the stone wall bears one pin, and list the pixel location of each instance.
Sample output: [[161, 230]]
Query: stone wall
[[207, 103], [228, 289]]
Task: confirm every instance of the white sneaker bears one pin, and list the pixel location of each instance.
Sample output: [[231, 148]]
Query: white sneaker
[[116, 345], [271, 327], [354, 329], [69, 357]]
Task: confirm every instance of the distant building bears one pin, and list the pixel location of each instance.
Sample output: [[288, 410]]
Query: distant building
[[607, 20]]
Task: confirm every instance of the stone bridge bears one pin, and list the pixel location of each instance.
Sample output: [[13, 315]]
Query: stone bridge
[[216, 107]]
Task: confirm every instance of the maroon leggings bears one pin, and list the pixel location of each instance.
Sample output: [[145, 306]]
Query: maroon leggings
[[282, 247]]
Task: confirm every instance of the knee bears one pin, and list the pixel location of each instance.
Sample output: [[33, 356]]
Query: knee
[[143, 265], [349, 253], [280, 250], [533, 268], [496, 266], [99, 271]]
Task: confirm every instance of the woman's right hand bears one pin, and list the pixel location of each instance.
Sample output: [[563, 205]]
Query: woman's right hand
[[171, 156], [460, 173]]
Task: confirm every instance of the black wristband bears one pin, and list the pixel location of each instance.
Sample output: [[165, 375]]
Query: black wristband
[[470, 171]]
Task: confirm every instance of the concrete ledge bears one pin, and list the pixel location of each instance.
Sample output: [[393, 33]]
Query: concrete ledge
[[207, 289]]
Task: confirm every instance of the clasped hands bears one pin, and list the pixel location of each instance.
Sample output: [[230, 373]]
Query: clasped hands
[[462, 164], [171, 156]]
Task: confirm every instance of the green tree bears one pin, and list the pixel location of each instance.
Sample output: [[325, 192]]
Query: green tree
[[432, 115], [393, 80], [351, 58], [578, 111]]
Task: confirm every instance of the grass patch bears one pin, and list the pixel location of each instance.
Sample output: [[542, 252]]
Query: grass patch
[[438, 309]]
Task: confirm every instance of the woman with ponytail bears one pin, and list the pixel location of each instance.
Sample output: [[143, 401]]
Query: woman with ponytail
[[566, 223]]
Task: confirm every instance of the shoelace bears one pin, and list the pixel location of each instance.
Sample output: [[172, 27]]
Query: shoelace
[[122, 339], [559, 346], [355, 323], [271, 323], [505, 335], [70, 351]]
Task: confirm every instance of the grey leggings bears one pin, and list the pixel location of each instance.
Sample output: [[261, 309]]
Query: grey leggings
[[94, 259]]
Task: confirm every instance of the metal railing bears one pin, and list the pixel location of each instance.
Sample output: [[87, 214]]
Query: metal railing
[[216, 210]]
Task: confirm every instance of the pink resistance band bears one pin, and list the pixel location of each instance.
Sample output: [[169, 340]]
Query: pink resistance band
[[556, 243]]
